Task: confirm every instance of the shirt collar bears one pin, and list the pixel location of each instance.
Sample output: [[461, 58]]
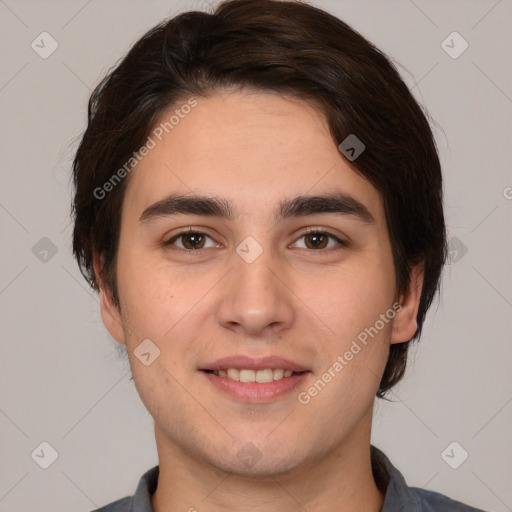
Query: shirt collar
[[391, 481], [388, 479]]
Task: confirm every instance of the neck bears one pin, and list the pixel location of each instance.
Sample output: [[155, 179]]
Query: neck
[[341, 480]]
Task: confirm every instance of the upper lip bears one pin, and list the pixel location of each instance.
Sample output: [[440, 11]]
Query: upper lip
[[254, 363]]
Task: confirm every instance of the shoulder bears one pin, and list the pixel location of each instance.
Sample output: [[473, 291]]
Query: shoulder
[[141, 500], [431, 501], [122, 505], [399, 497]]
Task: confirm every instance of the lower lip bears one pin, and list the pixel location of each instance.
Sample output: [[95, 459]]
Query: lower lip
[[256, 392]]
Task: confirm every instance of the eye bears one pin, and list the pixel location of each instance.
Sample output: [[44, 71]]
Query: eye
[[191, 240], [315, 238]]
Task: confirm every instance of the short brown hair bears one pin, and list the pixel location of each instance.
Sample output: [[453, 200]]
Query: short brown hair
[[290, 48]]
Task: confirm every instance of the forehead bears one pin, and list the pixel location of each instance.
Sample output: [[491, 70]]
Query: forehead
[[255, 147]]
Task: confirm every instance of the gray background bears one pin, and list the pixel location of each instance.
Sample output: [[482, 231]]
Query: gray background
[[61, 380]]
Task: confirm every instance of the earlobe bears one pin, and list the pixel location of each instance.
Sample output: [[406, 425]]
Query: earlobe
[[109, 312], [404, 323]]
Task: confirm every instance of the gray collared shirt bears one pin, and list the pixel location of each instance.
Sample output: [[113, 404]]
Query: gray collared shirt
[[399, 497]]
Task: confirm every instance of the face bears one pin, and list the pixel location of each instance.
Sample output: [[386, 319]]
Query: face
[[273, 279]]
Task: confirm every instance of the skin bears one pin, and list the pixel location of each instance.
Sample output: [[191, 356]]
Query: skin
[[296, 301]]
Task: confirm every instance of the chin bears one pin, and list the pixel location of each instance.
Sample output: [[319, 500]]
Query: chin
[[254, 460]]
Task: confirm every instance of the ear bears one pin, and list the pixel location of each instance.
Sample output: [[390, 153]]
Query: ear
[[404, 323], [109, 312]]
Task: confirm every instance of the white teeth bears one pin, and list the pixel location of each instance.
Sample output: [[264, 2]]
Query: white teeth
[[278, 374], [264, 376], [260, 376], [233, 374], [247, 376]]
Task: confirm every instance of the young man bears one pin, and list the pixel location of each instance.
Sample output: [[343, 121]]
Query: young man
[[259, 203]]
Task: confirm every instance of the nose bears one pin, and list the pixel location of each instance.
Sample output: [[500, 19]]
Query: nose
[[255, 299]]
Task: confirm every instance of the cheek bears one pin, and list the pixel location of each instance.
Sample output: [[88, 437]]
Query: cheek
[[161, 304], [350, 298], [351, 304], [150, 293]]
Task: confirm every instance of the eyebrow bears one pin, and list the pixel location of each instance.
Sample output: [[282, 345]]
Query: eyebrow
[[300, 206]]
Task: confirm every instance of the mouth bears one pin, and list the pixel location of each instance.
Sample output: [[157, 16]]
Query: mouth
[[255, 386], [254, 379], [260, 376]]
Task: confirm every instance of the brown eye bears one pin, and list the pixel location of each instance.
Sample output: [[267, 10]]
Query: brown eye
[[190, 240], [317, 239], [193, 241]]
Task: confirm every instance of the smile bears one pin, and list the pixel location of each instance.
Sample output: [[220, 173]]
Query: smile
[[255, 386], [247, 375]]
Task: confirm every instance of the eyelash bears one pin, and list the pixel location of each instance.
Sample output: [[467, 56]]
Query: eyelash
[[308, 231]]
